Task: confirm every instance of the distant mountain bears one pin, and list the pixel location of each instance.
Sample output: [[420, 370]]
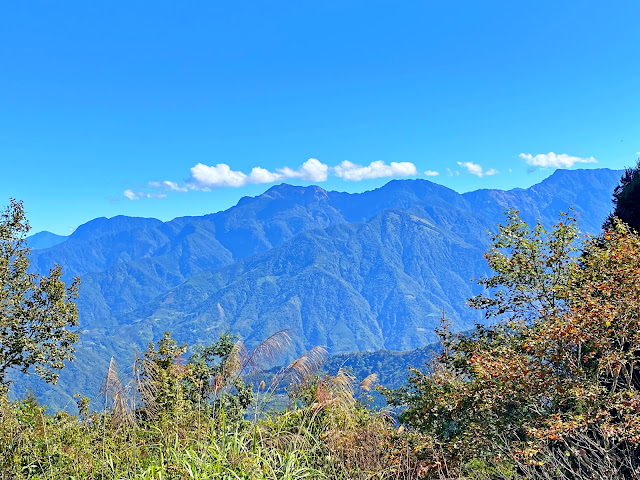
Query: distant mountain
[[44, 239], [589, 192], [355, 286], [352, 272]]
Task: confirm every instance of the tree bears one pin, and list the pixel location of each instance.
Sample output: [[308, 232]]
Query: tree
[[555, 382], [214, 381], [533, 270], [626, 199], [162, 379], [37, 313], [209, 381], [218, 377]]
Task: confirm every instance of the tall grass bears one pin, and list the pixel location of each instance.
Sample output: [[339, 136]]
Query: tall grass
[[333, 439], [324, 433]]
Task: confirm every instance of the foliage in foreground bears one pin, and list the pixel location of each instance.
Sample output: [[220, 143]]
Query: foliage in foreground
[[37, 313], [552, 389], [199, 419]]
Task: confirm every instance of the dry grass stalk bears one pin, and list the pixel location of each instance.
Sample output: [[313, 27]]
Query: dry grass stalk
[[368, 382], [235, 361], [120, 412], [337, 390], [306, 366], [240, 362], [266, 352], [147, 388], [587, 455]]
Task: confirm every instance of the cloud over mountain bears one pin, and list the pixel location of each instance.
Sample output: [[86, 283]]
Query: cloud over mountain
[[313, 170], [545, 160], [133, 195], [350, 171], [477, 170], [207, 177]]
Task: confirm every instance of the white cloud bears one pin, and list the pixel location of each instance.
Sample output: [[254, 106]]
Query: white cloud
[[350, 171], [131, 195], [206, 177], [477, 170], [168, 185], [313, 170], [173, 186], [262, 175], [545, 160]]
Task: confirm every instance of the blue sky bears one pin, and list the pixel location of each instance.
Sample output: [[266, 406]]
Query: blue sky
[[163, 109]]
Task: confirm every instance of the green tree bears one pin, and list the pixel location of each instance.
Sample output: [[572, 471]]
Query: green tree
[[626, 199], [163, 378], [37, 313], [217, 377]]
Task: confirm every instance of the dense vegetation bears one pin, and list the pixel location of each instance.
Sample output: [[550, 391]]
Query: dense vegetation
[[547, 387], [200, 419]]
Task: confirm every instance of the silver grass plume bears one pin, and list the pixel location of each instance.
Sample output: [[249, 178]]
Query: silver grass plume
[[147, 377], [368, 382], [120, 412], [304, 367], [265, 353], [234, 363]]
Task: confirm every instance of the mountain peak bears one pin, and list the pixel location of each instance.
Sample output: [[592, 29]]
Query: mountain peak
[[102, 225], [286, 188], [578, 178], [44, 239]]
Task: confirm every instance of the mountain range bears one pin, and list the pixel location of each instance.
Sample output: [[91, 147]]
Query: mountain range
[[352, 272]]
